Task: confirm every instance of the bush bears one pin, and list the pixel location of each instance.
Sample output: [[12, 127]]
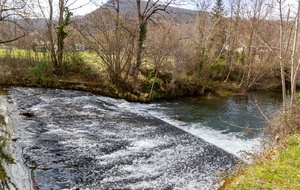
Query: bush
[[217, 69], [219, 64], [77, 65], [298, 97], [147, 84], [75, 62], [240, 58], [287, 124], [41, 72]]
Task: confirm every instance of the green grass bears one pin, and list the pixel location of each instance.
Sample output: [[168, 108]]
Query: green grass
[[16, 53], [92, 59], [280, 171], [25, 54], [89, 58]]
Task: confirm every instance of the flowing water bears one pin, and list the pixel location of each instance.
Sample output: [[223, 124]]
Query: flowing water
[[13, 172], [59, 139], [236, 124]]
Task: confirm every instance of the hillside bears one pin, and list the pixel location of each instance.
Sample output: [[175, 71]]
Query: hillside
[[128, 10]]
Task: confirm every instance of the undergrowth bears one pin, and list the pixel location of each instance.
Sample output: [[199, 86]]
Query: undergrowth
[[41, 73]]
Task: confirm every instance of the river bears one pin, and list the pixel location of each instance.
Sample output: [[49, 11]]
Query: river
[[235, 123], [62, 139]]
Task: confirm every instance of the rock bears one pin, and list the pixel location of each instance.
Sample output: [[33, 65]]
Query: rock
[[28, 113]]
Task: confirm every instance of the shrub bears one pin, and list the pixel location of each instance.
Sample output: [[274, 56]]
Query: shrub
[[288, 123], [240, 58], [75, 62], [218, 65], [41, 72], [147, 84], [298, 97]]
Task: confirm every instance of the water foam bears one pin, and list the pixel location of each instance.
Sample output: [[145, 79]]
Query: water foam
[[233, 143], [116, 150]]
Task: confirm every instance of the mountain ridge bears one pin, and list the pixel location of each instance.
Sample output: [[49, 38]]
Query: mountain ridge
[[128, 9]]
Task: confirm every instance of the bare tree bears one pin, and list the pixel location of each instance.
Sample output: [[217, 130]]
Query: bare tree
[[295, 66], [161, 46], [57, 31], [256, 13], [281, 52], [281, 48], [63, 21], [112, 37], [11, 12], [144, 14], [205, 40], [50, 25], [235, 18]]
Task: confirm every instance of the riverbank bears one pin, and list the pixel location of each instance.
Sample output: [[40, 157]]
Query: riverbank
[[119, 104], [276, 166], [19, 75], [28, 74]]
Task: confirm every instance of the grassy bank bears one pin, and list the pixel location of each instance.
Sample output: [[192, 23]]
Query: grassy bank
[[277, 166], [80, 76], [86, 71]]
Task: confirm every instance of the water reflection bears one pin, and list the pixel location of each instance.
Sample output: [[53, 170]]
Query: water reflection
[[227, 114], [233, 123]]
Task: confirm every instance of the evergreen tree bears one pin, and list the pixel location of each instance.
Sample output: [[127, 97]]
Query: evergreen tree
[[218, 11], [218, 40]]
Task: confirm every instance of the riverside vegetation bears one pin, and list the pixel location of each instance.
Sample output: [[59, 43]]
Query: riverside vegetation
[[144, 54], [84, 74], [276, 165], [147, 54]]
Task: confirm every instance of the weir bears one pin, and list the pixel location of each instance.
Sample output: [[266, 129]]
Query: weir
[[75, 139]]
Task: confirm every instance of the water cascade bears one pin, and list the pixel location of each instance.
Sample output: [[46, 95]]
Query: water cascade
[[68, 139]]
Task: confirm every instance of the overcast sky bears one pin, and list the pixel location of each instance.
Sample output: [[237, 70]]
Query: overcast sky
[[78, 7], [82, 7], [189, 4], [87, 6]]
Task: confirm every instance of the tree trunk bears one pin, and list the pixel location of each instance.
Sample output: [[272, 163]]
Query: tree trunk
[[60, 39], [118, 39], [50, 32], [141, 38], [294, 69], [282, 65], [152, 85]]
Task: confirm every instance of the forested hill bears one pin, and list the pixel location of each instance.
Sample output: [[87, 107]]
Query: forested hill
[[128, 10]]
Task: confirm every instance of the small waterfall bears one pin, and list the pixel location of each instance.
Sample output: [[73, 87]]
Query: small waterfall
[[79, 139]]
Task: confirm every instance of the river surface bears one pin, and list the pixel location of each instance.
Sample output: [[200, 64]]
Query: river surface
[[236, 124], [59, 139]]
